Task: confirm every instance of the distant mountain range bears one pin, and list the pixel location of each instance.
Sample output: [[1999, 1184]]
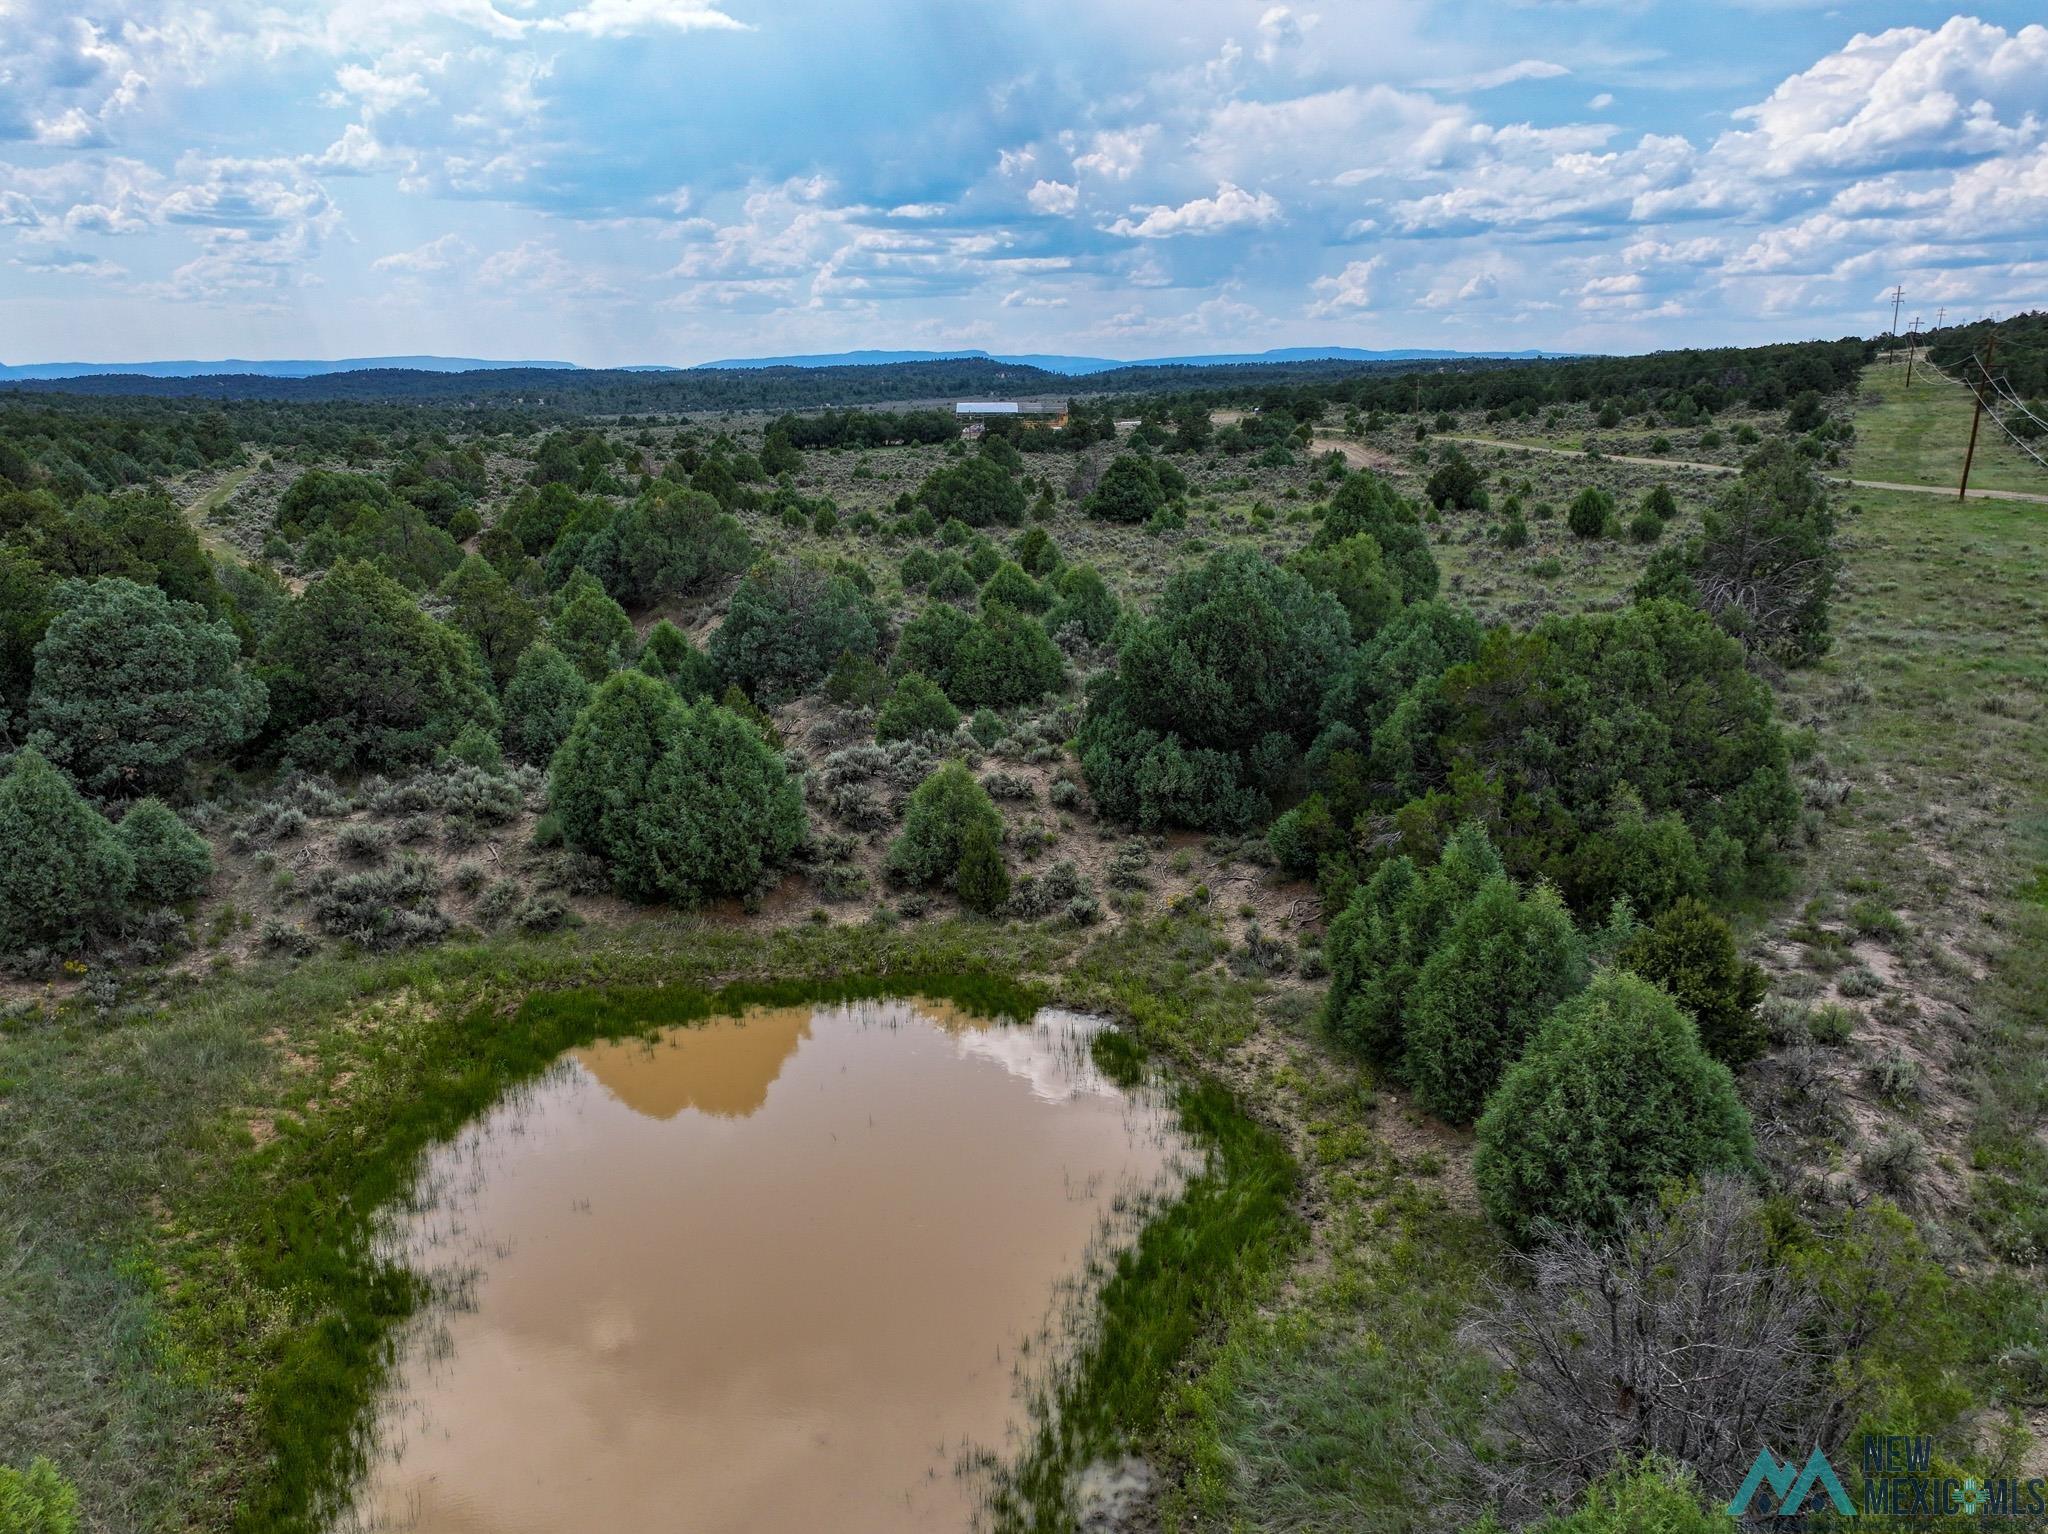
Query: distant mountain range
[[1075, 367], [1071, 367], [237, 367]]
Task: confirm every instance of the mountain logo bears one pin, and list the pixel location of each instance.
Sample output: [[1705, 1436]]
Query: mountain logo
[[1789, 1488]]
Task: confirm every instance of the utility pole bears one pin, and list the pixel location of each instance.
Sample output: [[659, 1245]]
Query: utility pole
[[1940, 318], [1898, 297], [1912, 338], [1983, 372]]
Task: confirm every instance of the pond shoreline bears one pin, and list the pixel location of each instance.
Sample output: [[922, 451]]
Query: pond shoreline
[[295, 1214]]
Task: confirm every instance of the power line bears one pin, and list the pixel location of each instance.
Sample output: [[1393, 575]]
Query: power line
[[2014, 438], [2005, 392], [1998, 386], [2000, 389], [1977, 415]]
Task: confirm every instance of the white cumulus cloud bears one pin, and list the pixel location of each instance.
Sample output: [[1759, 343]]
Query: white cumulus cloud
[[1348, 292], [1058, 197], [1231, 208]]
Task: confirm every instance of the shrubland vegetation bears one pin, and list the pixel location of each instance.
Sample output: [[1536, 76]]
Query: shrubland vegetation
[[2021, 356], [1501, 797]]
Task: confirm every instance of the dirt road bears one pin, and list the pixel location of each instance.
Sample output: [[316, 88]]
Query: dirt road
[[1722, 468], [1359, 456]]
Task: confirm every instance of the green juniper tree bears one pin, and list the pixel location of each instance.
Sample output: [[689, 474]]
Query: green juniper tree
[[683, 802], [1613, 1101], [786, 626], [131, 688], [63, 870], [172, 861], [542, 700], [942, 812], [498, 620], [361, 679], [1500, 968]]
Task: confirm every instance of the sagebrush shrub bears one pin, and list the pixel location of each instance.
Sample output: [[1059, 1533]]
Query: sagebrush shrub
[[394, 907]]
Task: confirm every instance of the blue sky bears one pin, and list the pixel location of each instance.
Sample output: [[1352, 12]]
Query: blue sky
[[615, 181]]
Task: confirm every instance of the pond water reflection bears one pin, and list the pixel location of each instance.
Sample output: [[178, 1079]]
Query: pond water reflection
[[766, 1273]]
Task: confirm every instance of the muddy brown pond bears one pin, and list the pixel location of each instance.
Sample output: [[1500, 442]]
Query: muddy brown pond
[[770, 1273]]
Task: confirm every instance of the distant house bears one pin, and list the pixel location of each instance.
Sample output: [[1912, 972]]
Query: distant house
[[974, 413]]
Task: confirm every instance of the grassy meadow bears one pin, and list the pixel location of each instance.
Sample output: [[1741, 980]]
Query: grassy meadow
[[1918, 434]]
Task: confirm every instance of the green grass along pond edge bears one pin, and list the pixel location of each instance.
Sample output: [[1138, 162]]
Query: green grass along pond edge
[[305, 1210]]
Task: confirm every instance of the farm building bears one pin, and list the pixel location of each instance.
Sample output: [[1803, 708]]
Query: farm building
[[973, 413]]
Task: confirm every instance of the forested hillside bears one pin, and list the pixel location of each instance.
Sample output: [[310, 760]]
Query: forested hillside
[[1767, 374]]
